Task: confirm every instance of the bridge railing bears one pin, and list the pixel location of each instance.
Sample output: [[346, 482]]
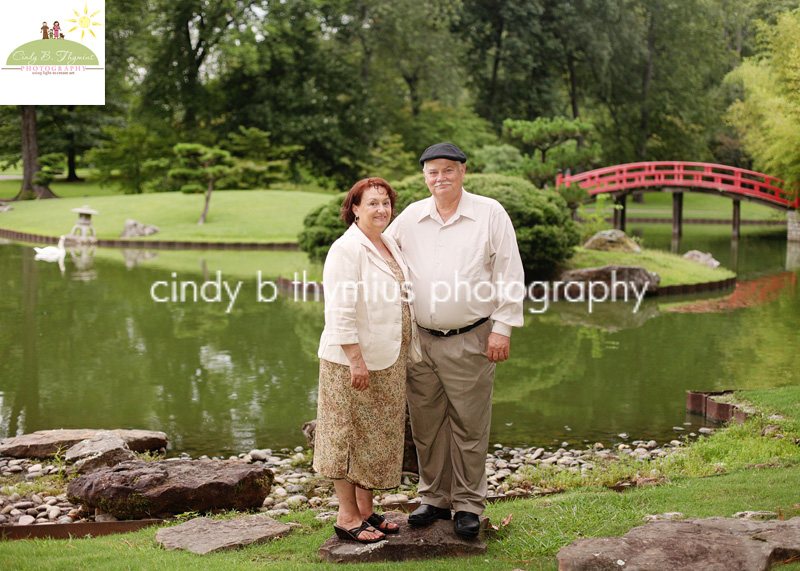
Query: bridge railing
[[683, 174]]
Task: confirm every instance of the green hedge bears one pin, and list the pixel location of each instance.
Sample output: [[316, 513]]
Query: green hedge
[[546, 233], [321, 227]]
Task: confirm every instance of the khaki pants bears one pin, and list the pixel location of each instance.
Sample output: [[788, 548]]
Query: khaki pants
[[450, 403]]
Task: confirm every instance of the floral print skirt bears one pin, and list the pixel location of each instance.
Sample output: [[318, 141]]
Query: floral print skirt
[[359, 434]]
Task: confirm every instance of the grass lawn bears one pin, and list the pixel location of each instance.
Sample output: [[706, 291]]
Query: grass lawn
[[673, 269], [748, 476], [10, 188], [234, 216]]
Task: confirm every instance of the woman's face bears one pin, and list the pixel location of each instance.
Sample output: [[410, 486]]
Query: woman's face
[[375, 210]]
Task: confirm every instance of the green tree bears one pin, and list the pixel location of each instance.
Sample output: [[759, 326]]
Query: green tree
[[185, 37], [560, 144], [649, 78], [284, 77], [256, 163], [130, 157], [200, 167], [33, 186], [508, 59], [768, 116]]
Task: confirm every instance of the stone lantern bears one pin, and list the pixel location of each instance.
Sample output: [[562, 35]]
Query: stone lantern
[[83, 230]]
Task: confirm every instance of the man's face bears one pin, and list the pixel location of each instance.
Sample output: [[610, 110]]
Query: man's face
[[445, 178]]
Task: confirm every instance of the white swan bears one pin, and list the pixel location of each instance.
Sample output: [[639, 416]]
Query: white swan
[[51, 253]]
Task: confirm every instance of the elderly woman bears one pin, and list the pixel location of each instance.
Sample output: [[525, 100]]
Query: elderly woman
[[369, 334]]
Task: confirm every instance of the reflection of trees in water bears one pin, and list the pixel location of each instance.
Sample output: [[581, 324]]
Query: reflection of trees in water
[[252, 383], [765, 354], [308, 325], [103, 354], [600, 382], [544, 354], [27, 394]]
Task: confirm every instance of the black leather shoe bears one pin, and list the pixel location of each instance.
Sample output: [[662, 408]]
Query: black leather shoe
[[427, 514], [467, 524]]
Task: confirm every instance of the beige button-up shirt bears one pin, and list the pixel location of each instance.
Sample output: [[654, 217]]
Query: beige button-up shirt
[[464, 269]]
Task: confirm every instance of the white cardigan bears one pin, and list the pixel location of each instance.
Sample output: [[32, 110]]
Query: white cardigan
[[363, 302]]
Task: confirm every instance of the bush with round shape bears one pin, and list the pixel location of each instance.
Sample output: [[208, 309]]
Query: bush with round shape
[[546, 234]]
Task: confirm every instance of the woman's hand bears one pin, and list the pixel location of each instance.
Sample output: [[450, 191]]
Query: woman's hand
[[359, 374]]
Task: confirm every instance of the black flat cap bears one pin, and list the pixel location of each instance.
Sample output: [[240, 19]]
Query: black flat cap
[[443, 151]]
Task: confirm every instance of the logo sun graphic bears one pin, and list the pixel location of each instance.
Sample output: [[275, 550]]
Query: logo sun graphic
[[84, 21]]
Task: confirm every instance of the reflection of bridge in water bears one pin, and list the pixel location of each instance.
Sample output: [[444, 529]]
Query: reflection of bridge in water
[[679, 177], [747, 294]]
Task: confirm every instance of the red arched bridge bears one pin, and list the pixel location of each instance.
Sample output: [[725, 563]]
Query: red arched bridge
[[678, 177]]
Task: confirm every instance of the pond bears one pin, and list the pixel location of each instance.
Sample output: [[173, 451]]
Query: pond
[[90, 347]]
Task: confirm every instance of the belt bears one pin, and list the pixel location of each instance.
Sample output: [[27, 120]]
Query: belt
[[452, 332]]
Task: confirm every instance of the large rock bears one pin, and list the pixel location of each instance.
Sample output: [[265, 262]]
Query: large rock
[[135, 229], [436, 540], [612, 241], [45, 443], [310, 432], [145, 489], [102, 450], [614, 275], [710, 544], [704, 258], [203, 535]]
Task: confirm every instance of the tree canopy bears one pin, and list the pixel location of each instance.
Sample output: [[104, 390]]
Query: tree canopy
[[350, 88], [767, 116]]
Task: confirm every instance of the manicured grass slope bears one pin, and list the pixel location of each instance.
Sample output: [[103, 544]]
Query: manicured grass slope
[[673, 269], [234, 216]]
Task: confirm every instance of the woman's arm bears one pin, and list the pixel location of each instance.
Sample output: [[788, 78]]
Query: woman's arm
[[341, 276]]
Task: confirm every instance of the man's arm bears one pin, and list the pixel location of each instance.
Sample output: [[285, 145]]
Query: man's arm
[[509, 279]]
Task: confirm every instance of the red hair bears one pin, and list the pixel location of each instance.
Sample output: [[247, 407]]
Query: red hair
[[353, 197]]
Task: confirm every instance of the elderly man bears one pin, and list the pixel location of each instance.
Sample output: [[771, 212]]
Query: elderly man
[[463, 258]]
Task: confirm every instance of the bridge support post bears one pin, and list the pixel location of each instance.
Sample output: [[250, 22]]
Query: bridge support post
[[793, 256], [793, 226], [677, 214], [619, 212], [737, 219]]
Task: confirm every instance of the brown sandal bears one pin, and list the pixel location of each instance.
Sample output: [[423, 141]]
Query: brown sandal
[[377, 520]]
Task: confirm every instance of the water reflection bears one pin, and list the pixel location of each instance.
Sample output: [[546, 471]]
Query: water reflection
[[101, 353]]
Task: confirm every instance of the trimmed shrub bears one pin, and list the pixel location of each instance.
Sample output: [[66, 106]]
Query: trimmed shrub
[[321, 227], [546, 234]]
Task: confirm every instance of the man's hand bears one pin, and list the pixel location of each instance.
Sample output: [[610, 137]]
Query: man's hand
[[499, 346]]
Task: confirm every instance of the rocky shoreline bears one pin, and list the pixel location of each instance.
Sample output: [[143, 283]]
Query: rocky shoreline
[[25, 482]]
